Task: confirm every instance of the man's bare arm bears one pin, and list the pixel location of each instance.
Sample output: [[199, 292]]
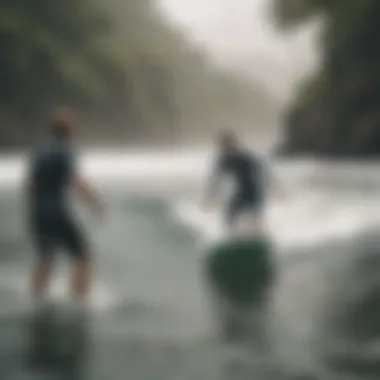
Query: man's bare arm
[[211, 189], [281, 190], [278, 189], [88, 194], [212, 186]]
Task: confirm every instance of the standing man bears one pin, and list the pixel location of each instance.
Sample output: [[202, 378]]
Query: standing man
[[248, 176], [241, 269], [53, 174]]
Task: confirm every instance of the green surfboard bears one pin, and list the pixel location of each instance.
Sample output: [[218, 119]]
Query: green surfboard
[[241, 269]]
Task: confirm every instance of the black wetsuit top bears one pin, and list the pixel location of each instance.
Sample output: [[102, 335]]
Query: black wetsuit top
[[51, 175], [52, 223], [248, 175]]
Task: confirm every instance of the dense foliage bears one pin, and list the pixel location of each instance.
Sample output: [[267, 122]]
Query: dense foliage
[[130, 74], [337, 111]]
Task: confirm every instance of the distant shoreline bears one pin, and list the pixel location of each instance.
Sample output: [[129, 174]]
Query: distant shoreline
[[335, 157]]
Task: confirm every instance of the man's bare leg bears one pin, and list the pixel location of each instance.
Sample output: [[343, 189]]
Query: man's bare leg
[[41, 278], [81, 279]]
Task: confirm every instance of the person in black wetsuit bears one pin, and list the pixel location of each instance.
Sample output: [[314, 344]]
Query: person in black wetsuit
[[249, 178], [52, 174]]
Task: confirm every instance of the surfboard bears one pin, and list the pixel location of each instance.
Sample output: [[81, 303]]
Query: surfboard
[[241, 268]]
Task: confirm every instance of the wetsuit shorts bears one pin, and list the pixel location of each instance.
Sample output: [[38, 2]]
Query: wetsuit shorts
[[53, 226], [241, 204], [51, 232]]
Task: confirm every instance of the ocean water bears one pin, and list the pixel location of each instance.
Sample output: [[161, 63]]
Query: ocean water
[[150, 314]]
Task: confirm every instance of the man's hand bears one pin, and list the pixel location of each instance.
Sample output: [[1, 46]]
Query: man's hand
[[99, 211], [281, 193], [208, 207]]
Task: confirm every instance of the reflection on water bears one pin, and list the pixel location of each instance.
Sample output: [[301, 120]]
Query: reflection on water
[[59, 345]]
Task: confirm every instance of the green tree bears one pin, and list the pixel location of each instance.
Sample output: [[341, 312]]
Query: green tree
[[131, 75], [336, 112]]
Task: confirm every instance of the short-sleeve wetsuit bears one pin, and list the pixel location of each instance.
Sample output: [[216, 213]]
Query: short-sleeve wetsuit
[[248, 174], [51, 174]]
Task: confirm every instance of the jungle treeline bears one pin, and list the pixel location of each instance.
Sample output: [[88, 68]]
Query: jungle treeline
[[337, 110], [130, 74]]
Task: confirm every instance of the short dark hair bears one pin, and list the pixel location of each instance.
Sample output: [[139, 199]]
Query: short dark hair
[[61, 124], [227, 137]]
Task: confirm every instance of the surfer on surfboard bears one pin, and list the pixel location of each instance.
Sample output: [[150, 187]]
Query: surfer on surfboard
[[240, 268], [249, 178], [52, 174]]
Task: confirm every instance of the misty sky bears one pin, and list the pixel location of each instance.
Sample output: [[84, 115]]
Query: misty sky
[[240, 33]]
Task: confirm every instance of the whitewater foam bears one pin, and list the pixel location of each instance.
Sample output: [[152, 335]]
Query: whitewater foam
[[298, 221]]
